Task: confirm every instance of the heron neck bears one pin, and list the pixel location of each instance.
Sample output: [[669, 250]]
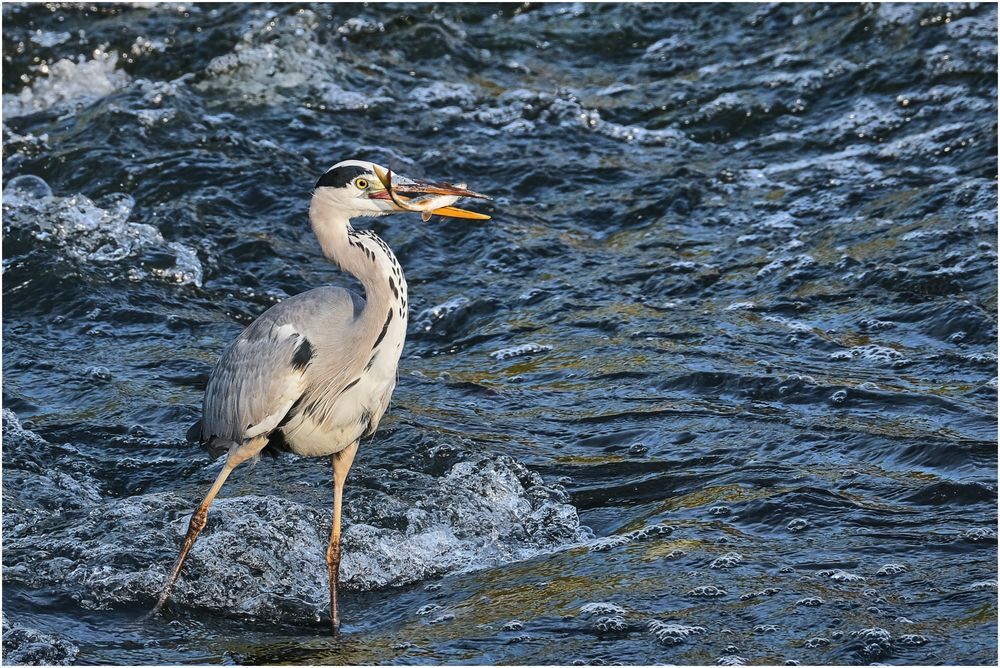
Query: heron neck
[[363, 255]]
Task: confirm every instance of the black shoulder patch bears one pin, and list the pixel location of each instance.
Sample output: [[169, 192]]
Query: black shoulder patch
[[303, 355], [338, 177]]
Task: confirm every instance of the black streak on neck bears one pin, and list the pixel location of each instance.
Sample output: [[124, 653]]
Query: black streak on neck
[[385, 328]]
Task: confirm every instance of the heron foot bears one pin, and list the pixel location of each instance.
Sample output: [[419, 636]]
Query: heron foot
[[155, 612]]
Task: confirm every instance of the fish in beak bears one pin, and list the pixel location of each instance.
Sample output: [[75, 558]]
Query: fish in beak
[[430, 198]]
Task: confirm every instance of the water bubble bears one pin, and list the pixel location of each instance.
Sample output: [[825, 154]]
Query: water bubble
[[749, 596], [513, 625], [879, 355], [810, 602], [428, 609], [765, 628], [637, 449], [605, 544], [670, 633], [27, 186], [706, 591], [741, 306], [839, 397], [876, 642], [841, 576], [813, 643], [645, 533], [615, 624], [978, 534], [98, 373], [728, 560], [912, 640], [719, 510], [730, 660], [430, 318], [892, 569], [520, 351], [602, 609], [797, 524]]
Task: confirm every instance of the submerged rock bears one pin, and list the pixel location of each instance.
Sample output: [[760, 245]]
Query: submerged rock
[[264, 556], [28, 647]]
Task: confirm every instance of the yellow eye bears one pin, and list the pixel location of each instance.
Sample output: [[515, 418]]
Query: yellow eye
[[361, 184]]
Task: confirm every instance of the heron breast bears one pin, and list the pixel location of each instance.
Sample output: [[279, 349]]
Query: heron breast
[[356, 413]]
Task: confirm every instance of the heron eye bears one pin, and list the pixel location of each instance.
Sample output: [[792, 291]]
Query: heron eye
[[361, 184]]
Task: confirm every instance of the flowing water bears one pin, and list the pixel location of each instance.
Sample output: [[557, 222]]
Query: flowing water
[[717, 384]]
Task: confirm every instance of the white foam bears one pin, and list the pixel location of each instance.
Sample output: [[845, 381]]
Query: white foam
[[520, 351], [428, 318], [264, 555], [523, 111], [671, 633], [68, 83], [93, 232], [794, 325], [873, 354], [281, 58]]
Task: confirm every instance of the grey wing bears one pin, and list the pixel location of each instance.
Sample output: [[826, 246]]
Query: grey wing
[[257, 380], [262, 373]]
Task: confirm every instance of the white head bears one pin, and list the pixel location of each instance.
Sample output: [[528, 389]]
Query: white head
[[360, 188]]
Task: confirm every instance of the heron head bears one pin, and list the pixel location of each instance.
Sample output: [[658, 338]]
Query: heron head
[[366, 189]]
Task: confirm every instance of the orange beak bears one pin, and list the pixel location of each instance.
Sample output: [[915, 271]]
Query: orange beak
[[433, 198]]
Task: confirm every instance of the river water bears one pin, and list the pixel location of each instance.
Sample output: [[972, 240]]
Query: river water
[[716, 385]]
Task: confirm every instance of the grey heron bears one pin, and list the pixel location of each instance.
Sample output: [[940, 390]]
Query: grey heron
[[313, 374]]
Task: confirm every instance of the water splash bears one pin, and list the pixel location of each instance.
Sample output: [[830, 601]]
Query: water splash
[[68, 84], [95, 233], [264, 556]]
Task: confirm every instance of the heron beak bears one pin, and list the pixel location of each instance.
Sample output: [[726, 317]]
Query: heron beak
[[429, 198]]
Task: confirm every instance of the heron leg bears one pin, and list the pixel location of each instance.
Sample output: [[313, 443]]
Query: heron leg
[[236, 457], [341, 465]]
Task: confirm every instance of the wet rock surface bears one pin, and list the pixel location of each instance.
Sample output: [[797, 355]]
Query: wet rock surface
[[264, 556], [716, 385]]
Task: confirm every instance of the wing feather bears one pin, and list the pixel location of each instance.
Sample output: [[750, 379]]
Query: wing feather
[[257, 379], [267, 369]]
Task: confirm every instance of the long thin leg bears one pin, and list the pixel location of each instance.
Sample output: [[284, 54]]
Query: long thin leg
[[341, 465], [236, 457]]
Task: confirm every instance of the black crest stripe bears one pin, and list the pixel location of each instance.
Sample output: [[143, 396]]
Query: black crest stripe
[[338, 177]]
